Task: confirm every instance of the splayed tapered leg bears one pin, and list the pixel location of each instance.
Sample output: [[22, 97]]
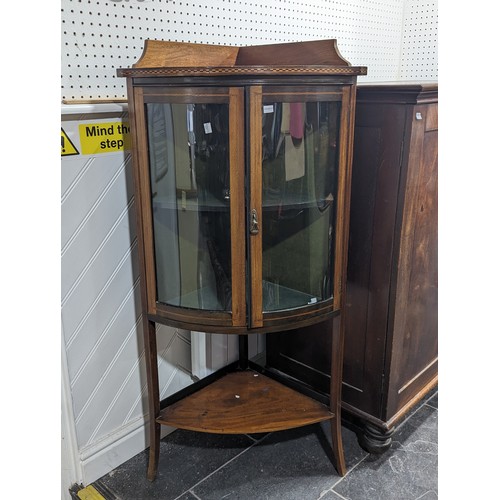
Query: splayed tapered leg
[[153, 397], [335, 394]]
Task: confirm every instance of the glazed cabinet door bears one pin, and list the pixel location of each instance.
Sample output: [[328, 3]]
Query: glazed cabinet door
[[191, 179], [298, 167]]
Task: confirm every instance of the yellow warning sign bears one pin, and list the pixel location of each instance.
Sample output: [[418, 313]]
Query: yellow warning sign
[[67, 147], [104, 137], [89, 493]]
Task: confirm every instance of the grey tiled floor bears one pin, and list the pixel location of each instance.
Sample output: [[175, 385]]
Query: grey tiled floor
[[286, 465]]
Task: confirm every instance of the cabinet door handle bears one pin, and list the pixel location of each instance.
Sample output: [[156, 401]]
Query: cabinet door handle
[[254, 223]]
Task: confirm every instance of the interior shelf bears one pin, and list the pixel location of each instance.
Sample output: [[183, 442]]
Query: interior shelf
[[278, 297], [244, 402], [207, 203], [290, 201]]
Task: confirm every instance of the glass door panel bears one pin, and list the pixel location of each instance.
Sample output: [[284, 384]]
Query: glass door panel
[[189, 158], [300, 156]]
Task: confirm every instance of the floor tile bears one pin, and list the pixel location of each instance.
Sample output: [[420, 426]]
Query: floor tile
[[429, 495], [185, 459], [433, 401], [187, 496], [286, 465], [331, 495], [407, 471]]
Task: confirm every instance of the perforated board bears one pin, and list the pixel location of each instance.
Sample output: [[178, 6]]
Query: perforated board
[[419, 50], [99, 36]]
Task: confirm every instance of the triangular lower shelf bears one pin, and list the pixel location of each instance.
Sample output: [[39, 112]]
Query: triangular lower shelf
[[242, 402]]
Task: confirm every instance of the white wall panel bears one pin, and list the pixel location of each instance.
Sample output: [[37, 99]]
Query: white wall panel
[[73, 169], [96, 295], [100, 309], [108, 216], [94, 179], [97, 363]]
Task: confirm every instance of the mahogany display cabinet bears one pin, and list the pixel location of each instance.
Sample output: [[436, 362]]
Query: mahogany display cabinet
[[391, 327], [242, 168]]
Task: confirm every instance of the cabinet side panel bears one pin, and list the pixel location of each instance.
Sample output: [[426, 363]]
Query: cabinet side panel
[[378, 143], [304, 354], [137, 182], [415, 346], [360, 244], [142, 193], [344, 195]]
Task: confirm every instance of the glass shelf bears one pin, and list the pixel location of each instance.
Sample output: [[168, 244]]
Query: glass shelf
[[277, 297], [208, 204], [203, 298], [296, 202]]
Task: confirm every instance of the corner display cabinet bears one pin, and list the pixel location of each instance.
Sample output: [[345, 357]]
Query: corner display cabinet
[[242, 161]]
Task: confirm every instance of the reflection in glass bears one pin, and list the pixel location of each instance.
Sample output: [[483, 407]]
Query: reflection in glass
[[189, 170], [299, 178]]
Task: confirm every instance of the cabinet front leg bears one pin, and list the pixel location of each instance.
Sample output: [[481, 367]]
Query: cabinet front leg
[[153, 396], [338, 448], [335, 395], [154, 449]]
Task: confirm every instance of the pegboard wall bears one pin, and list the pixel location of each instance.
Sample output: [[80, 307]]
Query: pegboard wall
[[419, 53], [99, 36]]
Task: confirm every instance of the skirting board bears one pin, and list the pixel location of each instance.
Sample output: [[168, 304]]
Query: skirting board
[[102, 457]]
